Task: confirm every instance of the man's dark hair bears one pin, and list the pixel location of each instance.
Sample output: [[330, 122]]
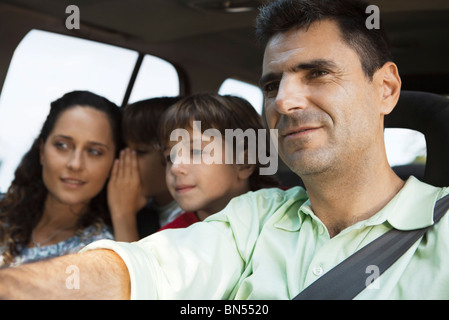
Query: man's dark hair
[[371, 45]]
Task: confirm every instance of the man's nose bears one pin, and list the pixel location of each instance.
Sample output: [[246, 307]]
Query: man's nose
[[291, 95]]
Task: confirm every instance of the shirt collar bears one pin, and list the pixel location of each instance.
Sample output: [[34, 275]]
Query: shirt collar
[[291, 220], [410, 209]]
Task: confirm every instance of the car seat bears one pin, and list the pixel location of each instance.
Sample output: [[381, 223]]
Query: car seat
[[427, 113]]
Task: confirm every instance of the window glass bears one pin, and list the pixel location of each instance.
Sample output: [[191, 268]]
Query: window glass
[[156, 78], [404, 146], [245, 90], [44, 67]]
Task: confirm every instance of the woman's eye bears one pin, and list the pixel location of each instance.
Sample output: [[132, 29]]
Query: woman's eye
[[61, 145], [95, 152]]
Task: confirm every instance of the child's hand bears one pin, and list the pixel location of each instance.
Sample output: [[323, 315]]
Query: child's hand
[[125, 198]]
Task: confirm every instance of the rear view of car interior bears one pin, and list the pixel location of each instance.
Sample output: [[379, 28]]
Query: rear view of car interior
[[170, 47]]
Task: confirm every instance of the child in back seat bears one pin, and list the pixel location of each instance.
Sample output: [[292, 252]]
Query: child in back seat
[[139, 201], [205, 169]]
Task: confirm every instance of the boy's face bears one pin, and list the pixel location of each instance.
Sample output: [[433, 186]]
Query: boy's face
[[151, 171], [196, 177]]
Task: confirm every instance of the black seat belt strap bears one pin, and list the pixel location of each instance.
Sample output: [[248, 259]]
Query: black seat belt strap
[[348, 278]]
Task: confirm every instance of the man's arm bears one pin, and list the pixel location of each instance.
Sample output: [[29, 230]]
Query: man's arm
[[96, 274]]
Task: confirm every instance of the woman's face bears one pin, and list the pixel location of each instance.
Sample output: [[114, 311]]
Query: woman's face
[[77, 156]]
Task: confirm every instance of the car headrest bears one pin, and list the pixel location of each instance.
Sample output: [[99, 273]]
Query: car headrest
[[427, 113]]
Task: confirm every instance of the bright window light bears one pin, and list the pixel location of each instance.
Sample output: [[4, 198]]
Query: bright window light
[[244, 90]]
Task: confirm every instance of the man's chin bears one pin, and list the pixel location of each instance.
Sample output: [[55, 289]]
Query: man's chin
[[305, 165]]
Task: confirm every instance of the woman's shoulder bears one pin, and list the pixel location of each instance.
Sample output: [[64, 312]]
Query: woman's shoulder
[[71, 245]]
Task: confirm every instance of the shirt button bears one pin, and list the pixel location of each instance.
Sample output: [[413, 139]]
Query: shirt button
[[318, 271], [321, 229]]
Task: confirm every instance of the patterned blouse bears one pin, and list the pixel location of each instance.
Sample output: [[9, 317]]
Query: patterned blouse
[[71, 245]]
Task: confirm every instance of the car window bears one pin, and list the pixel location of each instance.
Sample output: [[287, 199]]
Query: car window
[[46, 65], [156, 78], [405, 146], [245, 90]]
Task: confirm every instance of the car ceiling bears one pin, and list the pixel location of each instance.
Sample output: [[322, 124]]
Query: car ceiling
[[188, 30]]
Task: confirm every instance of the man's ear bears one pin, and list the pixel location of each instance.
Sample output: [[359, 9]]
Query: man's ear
[[389, 84]]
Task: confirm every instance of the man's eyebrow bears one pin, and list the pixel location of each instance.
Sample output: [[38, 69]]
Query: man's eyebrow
[[268, 78], [308, 65], [314, 64]]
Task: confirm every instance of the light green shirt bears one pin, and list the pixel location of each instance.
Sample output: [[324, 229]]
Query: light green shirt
[[269, 245]]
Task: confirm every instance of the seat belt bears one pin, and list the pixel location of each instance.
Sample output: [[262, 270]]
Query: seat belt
[[348, 278]]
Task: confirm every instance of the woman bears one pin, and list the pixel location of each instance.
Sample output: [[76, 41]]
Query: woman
[[56, 203]]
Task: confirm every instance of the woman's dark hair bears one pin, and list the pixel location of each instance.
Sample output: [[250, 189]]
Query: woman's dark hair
[[371, 45], [22, 206], [221, 113]]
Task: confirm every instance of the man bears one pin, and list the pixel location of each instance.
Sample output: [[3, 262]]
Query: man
[[328, 83]]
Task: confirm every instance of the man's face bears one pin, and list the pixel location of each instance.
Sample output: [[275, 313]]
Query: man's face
[[320, 100]]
